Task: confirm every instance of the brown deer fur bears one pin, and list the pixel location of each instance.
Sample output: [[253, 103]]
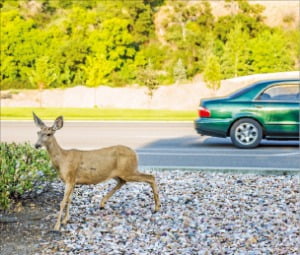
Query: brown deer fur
[[90, 167]]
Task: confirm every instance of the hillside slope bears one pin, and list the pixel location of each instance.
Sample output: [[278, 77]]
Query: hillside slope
[[284, 13], [277, 13]]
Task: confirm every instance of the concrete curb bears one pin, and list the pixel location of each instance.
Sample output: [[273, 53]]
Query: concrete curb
[[227, 170]]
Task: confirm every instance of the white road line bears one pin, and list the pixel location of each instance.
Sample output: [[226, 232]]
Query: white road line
[[214, 154], [215, 150], [220, 169]]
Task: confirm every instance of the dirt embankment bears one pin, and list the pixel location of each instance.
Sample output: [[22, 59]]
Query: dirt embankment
[[173, 97]]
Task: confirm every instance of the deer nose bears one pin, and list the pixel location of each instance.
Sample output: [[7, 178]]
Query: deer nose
[[37, 146]]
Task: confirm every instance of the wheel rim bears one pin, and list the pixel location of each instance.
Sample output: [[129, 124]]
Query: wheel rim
[[246, 133]]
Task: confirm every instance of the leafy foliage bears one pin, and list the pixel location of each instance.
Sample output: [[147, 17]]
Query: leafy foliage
[[22, 167], [44, 73], [212, 73], [179, 72], [110, 42], [235, 52], [269, 53], [148, 78]]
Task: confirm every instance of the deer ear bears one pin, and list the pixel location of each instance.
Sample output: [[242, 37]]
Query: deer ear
[[58, 124], [38, 121]]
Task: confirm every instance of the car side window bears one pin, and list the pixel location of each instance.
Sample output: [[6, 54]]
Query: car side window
[[282, 92]]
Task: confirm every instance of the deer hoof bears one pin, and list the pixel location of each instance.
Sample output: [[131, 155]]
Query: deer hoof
[[65, 221], [102, 205], [157, 208], [57, 227], [54, 232]]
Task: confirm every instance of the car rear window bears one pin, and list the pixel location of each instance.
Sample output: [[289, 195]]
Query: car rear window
[[241, 91]]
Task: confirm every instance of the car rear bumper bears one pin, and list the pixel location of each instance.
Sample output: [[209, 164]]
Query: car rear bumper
[[212, 127]]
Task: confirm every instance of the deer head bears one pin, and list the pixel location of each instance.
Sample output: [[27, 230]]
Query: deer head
[[46, 133]]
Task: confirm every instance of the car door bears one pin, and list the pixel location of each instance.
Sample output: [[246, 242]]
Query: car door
[[279, 105]]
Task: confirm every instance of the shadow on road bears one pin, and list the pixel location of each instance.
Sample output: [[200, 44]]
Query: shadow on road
[[192, 142]]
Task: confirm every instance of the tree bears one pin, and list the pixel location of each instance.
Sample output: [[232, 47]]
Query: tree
[[186, 30], [293, 37], [98, 69], [43, 75], [270, 52], [179, 72], [148, 78], [235, 52], [183, 20], [17, 46], [248, 15], [142, 19], [112, 51], [212, 73]]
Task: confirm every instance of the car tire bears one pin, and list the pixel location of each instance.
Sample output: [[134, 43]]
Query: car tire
[[246, 133]]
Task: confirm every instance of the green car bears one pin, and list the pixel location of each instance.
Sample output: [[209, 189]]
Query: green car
[[264, 110]]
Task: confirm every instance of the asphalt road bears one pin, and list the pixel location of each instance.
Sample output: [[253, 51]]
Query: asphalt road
[[165, 145]]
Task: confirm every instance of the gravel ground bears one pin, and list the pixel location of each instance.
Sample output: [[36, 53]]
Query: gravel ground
[[202, 213]]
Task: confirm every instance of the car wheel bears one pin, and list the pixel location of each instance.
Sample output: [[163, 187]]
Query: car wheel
[[246, 133]]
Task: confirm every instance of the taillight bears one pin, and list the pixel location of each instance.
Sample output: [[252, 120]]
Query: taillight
[[203, 112]]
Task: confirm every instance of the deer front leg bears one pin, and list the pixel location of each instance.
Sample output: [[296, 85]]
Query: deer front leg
[[68, 192], [67, 214]]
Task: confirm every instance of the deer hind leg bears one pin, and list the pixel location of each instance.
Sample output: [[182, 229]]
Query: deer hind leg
[[120, 183], [139, 177], [68, 191]]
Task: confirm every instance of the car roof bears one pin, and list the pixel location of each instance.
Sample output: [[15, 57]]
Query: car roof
[[258, 86]]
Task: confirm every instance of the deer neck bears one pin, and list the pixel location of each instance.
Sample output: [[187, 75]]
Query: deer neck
[[55, 152]]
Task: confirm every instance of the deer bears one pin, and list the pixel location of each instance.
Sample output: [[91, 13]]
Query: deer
[[85, 167]]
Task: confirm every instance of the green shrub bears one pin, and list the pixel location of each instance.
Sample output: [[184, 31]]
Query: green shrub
[[22, 169]]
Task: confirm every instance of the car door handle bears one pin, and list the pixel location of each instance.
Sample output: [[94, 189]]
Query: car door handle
[[258, 106]]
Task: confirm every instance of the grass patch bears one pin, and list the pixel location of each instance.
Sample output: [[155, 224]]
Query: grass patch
[[25, 113]]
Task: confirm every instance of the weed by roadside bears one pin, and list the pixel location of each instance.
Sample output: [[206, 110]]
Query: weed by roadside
[[22, 169]]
